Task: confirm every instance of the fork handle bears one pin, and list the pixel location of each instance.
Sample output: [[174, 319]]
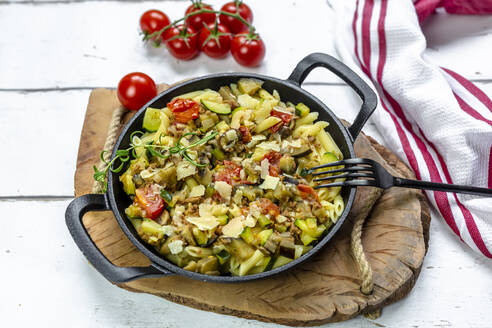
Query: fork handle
[[400, 182]]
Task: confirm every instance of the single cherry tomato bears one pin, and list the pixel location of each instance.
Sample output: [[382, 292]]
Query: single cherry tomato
[[268, 207], [284, 116], [150, 201], [197, 21], [152, 21], [135, 90], [215, 40], [182, 42], [184, 110], [248, 50], [307, 192], [234, 24], [245, 134]]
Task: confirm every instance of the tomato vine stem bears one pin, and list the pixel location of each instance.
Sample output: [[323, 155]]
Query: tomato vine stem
[[157, 34]]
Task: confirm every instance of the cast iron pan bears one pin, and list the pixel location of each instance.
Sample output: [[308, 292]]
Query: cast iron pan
[[116, 200]]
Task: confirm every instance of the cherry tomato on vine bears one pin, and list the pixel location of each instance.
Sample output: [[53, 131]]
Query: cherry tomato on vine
[[153, 20], [135, 90], [196, 21], [182, 42], [248, 50], [215, 40], [233, 24]]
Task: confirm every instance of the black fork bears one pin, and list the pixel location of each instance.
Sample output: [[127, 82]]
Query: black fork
[[367, 172]]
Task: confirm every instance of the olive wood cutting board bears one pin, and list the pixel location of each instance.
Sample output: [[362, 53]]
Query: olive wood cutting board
[[324, 289]]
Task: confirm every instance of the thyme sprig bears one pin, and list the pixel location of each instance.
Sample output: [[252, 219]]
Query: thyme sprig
[[124, 155]]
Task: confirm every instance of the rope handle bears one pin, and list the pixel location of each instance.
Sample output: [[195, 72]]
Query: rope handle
[[367, 285], [113, 130]]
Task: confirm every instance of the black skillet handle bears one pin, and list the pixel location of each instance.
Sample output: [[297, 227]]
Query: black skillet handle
[[369, 98], [73, 217]]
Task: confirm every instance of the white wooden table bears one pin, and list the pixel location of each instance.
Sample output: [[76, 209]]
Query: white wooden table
[[52, 53]]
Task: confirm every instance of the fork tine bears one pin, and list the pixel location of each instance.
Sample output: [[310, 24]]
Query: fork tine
[[352, 183], [345, 169], [349, 161], [346, 175]]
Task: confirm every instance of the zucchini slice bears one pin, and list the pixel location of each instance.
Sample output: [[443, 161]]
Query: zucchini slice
[[152, 119], [216, 107]]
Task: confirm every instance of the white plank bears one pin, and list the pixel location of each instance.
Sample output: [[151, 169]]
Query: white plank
[[39, 134], [96, 43], [52, 284], [51, 123]]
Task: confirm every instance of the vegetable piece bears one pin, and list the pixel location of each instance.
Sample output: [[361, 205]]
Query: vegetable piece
[[262, 266], [248, 102], [218, 154], [184, 110], [267, 96], [135, 90], [200, 236], [219, 108], [229, 97], [264, 221], [302, 151], [150, 201], [222, 219], [222, 126], [307, 238], [301, 250], [152, 119], [208, 265], [234, 24], [152, 228], [307, 192], [268, 207], [286, 117], [209, 191], [191, 182], [235, 89], [223, 256], [302, 110], [264, 235], [182, 42], [128, 184], [281, 260], [267, 123], [166, 195], [247, 235], [249, 85], [248, 49], [287, 164], [251, 262], [245, 134]]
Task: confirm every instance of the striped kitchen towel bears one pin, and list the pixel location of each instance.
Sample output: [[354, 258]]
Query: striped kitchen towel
[[435, 119]]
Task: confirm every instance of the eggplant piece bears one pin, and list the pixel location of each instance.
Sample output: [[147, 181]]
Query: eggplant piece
[[304, 150], [284, 132], [228, 96], [290, 179]]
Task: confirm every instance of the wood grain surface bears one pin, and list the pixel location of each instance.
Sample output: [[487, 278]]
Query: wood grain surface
[[325, 289]]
